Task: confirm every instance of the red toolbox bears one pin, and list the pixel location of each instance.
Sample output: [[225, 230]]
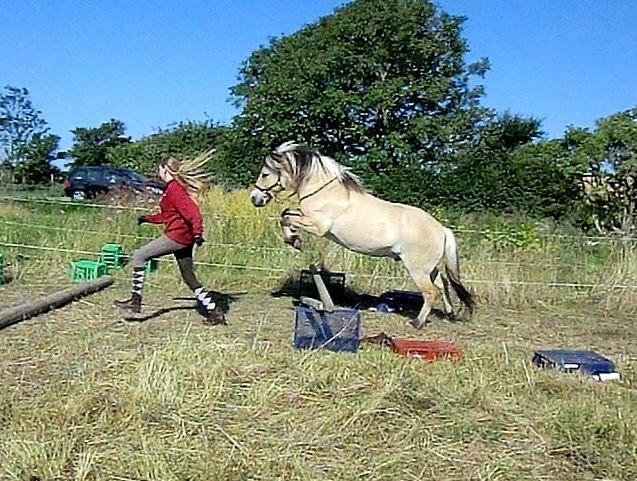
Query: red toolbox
[[426, 350]]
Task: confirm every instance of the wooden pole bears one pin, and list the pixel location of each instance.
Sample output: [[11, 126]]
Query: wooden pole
[[326, 299], [20, 313]]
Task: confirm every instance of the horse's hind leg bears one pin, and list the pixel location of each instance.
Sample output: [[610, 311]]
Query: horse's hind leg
[[430, 291], [443, 286]]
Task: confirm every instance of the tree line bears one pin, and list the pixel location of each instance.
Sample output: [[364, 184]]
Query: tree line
[[384, 87]]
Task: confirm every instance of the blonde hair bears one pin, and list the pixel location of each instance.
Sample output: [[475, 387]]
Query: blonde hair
[[190, 173]]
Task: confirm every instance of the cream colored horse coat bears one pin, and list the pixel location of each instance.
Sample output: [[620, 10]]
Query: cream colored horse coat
[[334, 205]]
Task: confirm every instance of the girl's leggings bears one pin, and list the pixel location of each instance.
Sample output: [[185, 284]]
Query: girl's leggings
[[160, 247]]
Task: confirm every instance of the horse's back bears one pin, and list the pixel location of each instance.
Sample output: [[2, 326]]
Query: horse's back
[[405, 212], [400, 223]]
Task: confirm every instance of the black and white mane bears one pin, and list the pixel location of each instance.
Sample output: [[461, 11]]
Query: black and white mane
[[302, 163]]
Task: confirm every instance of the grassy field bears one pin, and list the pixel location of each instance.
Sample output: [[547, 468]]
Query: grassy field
[[87, 395]]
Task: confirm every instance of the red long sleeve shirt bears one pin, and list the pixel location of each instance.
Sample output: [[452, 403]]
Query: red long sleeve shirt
[[179, 214]]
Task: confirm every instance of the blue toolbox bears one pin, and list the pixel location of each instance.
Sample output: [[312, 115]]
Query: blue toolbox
[[586, 362]]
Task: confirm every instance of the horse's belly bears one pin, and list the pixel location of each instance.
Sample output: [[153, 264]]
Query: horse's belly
[[364, 244]]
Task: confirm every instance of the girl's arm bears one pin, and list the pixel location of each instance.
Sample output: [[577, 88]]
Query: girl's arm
[[154, 218]]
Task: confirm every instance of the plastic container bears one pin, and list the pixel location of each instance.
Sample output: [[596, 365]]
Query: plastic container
[[425, 350], [337, 331], [567, 360]]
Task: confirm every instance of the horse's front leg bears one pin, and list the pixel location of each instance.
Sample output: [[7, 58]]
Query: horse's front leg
[[291, 235], [295, 220]]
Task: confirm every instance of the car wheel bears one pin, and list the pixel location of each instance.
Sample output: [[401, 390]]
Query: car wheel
[[79, 195]]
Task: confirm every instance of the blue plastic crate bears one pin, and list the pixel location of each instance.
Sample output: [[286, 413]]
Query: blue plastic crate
[[337, 331], [588, 362]]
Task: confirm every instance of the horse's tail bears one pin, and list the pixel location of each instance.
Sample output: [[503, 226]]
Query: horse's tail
[[452, 267]]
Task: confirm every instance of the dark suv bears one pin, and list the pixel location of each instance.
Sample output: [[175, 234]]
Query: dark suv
[[86, 182]]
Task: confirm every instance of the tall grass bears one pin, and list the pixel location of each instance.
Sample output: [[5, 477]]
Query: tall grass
[[208, 410], [85, 396], [501, 266]]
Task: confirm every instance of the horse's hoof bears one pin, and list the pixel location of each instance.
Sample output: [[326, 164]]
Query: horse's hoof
[[417, 323], [294, 243]]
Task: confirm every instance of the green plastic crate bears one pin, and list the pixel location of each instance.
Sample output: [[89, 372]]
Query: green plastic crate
[[87, 270], [111, 256], [152, 265]]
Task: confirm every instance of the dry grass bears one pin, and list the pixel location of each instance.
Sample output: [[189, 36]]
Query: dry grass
[[85, 395]]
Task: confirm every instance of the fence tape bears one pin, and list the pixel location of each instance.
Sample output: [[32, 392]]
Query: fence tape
[[276, 269]]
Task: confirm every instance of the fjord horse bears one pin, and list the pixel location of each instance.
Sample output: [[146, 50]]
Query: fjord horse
[[334, 205]]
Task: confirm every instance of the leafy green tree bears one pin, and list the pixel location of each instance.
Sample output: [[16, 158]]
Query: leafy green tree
[[186, 139], [37, 167], [6, 172], [182, 140], [91, 145], [19, 123], [382, 82], [608, 156], [612, 147], [482, 174], [545, 180]]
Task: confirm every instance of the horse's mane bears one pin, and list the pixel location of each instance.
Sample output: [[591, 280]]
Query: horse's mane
[[306, 162]]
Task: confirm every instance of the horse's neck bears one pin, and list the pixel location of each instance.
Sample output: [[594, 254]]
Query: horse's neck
[[324, 193]]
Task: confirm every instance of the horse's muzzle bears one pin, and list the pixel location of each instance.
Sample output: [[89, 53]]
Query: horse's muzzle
[[259, 198]]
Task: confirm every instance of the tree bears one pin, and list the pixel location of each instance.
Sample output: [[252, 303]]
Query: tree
[[36, 166], [381, 82], [482, 175], [608, 156], [19, 123], [182, 140], [91, 145], [545, 180], [188, 139]]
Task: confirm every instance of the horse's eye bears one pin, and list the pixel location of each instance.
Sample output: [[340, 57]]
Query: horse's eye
[[264, 175]]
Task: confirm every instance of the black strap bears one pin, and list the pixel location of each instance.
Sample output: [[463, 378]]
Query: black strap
[[317, 190]]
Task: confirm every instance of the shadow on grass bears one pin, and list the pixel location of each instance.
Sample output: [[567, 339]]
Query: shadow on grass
[[224, 300], [407, 305]]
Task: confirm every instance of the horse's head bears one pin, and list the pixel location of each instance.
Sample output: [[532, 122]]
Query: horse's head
[[280, 171]]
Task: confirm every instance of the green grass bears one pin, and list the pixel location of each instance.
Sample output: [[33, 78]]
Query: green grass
[[32, 191], [86, 395]]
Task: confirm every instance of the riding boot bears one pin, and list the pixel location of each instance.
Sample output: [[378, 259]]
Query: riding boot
[[134, 303], [209, 308], [215, 316]]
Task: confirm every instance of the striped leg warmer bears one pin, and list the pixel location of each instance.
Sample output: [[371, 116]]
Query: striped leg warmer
[[139, 273], [205, 298]]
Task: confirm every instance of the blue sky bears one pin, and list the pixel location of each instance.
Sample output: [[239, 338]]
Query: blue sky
[[152, 63]]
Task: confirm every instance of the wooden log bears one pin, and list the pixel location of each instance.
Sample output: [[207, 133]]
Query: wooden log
[[313, 303], [324, 294], [20, 313]]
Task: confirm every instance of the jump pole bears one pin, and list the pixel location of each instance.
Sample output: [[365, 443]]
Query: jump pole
[[20, 313]]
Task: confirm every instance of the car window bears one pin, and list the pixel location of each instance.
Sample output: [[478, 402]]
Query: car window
[[135, 176], [94, 175], [117, 177], [79, 174]]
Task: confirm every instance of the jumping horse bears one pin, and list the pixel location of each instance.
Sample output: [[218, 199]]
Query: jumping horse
[[334, 204]]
